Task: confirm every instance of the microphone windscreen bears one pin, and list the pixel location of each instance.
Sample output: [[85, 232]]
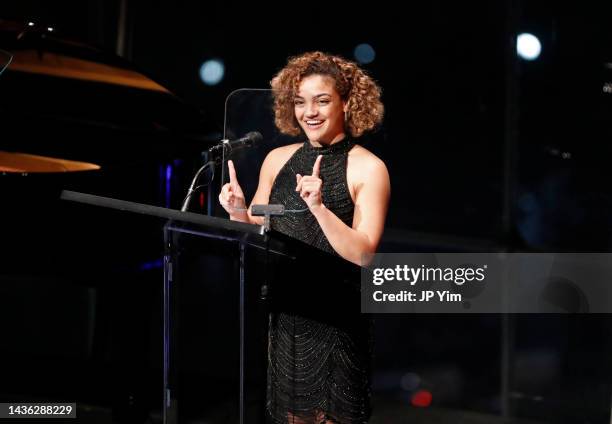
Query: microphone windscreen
[[254, 137]]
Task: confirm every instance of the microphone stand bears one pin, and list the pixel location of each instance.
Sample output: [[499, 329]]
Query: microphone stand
[[217, 154], [212, 156], [192, 187]]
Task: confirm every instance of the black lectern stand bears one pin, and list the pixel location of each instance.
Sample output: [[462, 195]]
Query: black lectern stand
[[267, 266]]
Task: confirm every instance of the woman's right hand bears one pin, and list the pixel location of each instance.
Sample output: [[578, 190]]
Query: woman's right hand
[[232, 197]]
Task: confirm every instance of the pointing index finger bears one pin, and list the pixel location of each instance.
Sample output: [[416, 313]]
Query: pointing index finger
[[232, 173], [317, 166]]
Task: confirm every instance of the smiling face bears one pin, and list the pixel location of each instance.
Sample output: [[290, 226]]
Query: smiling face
[[319, 109]]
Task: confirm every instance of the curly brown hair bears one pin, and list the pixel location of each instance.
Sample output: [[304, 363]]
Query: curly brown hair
[[356, 88]]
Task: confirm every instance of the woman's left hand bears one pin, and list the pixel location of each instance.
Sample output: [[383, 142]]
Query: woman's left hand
[[309, 186]]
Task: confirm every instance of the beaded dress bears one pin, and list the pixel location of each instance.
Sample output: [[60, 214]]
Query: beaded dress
[[317, 372]]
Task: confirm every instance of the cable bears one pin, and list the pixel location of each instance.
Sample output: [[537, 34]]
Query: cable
[[196, 189], [286, 210]]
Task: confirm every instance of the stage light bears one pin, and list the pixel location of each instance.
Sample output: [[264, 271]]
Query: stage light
[[50, 29], [422, 399], [212, 71], [364, 53], [155, 264], [168, 184], [528, 46], [30, 23]]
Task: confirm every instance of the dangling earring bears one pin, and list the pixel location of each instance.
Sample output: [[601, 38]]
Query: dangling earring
[[346, 117]]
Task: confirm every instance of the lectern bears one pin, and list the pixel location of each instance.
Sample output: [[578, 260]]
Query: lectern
[[265, 270]]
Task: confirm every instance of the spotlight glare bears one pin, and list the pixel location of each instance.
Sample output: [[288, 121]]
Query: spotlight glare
[[50, 29], [30, 23], [364, 53], [212, 71], [422, 398], [528, 46]]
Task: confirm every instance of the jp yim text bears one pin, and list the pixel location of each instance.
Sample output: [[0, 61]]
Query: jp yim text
[[425, 296]]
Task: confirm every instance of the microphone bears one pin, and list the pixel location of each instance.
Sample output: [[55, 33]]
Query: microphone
[[215, 155], [228, 146]]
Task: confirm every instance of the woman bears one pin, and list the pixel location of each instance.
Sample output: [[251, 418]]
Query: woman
[[343, 190]]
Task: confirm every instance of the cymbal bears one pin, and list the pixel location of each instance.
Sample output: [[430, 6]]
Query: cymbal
[[12, 162], [59, 65]]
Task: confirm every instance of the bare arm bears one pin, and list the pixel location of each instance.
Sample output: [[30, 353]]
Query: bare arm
[[371, 203], [232, 197], [262, 195]]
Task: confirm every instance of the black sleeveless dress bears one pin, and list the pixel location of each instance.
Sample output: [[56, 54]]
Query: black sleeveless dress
[[317, 371]]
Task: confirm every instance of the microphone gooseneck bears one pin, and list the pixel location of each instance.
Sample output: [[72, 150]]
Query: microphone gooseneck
[[216, 155]]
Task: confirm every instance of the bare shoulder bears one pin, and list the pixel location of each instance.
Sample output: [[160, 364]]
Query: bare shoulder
[[283, 153], [364, 164], [277, 158], [365, 169]]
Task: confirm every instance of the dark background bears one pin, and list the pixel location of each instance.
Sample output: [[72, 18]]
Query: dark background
[[485, 151]]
